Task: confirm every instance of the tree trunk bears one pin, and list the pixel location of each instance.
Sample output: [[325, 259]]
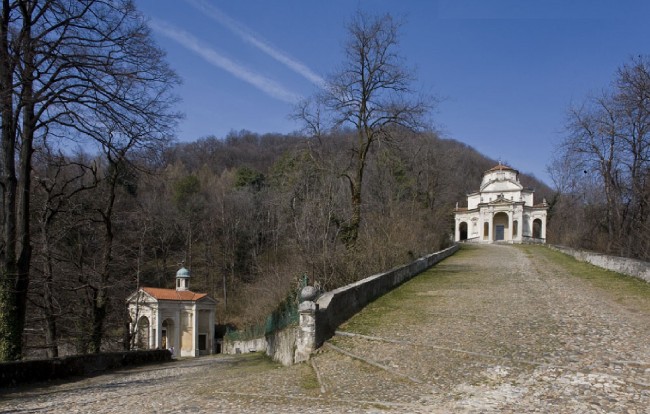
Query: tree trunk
[[100, 292], [16, 255], [48, 299], [24, 247]]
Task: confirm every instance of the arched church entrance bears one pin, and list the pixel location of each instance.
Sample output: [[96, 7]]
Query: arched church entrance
[[142, 341], [500, 221], [168, 334], [463, 231], [537, 229]]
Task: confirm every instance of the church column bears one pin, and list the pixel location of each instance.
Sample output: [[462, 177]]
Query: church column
[[490, 227], [211, 344], [178, 329], [510, 220], [543, 229], [457, 231], [158, 339], [195, 330], [152, 329]]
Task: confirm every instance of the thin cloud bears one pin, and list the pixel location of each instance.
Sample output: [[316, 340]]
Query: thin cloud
[[251, 37], [190, 42]]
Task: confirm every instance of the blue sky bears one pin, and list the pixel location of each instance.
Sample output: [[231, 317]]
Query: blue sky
[[506, 70]]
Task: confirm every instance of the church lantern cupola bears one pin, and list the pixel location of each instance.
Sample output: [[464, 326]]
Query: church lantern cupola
[[182, 279]]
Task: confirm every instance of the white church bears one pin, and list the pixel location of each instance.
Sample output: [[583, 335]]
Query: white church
[[501, 211], [176, 319]]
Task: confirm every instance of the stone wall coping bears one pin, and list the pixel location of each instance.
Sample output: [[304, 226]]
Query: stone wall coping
[[631, 267]]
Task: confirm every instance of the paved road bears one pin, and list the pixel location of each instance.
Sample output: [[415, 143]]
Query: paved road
[[492, 329]]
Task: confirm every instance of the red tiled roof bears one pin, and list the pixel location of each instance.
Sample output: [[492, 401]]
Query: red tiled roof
[[500, 167], [173, 294]]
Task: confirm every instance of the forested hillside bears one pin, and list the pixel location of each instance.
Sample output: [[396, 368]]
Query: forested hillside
[[98, 201], [249, 215]]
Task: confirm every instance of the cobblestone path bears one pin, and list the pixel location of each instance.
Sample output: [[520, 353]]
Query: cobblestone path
[[491, 329]]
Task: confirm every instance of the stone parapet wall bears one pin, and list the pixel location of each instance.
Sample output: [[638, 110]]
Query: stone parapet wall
[[337, 306], [319, 319], [21, 372], [626, 266]]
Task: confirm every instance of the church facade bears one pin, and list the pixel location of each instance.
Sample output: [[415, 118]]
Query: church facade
[[501, 211], [176, 319]]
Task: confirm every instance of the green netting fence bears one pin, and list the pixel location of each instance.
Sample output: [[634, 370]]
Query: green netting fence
[[284, 315]]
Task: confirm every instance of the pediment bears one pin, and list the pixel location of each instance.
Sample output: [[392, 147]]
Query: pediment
[[141, 296], [501, 200], [207, 300]]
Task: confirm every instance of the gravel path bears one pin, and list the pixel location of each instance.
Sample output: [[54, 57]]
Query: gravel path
[[492, 329]]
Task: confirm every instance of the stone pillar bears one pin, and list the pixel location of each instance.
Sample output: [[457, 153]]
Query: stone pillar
[[457, 231], [156, 314], [490, 227], [306, 340], [211, 344], [152, 332], [195, 330], [306, 335], [520, 224], [512, 236]]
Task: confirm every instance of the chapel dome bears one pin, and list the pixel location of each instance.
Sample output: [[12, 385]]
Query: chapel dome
[[183, 273], [500, 167], [500, 178]]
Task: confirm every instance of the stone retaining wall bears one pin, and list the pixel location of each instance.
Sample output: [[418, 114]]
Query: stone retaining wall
[[20, 372], [241, 347], [337, 306], [319, 319], [280, 345], [630, 267]]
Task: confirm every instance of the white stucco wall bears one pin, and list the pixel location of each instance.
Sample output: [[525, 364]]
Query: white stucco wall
[[186, 320], [501, 192]]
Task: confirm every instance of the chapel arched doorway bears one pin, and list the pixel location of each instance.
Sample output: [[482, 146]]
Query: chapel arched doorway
[[500, 221], [462, 229], [142, 338], [537, 229], [168, 334]]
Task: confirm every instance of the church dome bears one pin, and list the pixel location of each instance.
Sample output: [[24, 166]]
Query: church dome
[[183, 273], [500, 167], [500, 178]]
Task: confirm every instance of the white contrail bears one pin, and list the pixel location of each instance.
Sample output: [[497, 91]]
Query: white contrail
[[251, 37], [190, 42]]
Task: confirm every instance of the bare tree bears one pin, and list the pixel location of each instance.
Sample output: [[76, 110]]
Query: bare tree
[[67, 70], [373, 95], [59, 181], [609, 140]]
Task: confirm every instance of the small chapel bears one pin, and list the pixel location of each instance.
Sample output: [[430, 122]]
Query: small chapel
[[502, 210], [176, 319]]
